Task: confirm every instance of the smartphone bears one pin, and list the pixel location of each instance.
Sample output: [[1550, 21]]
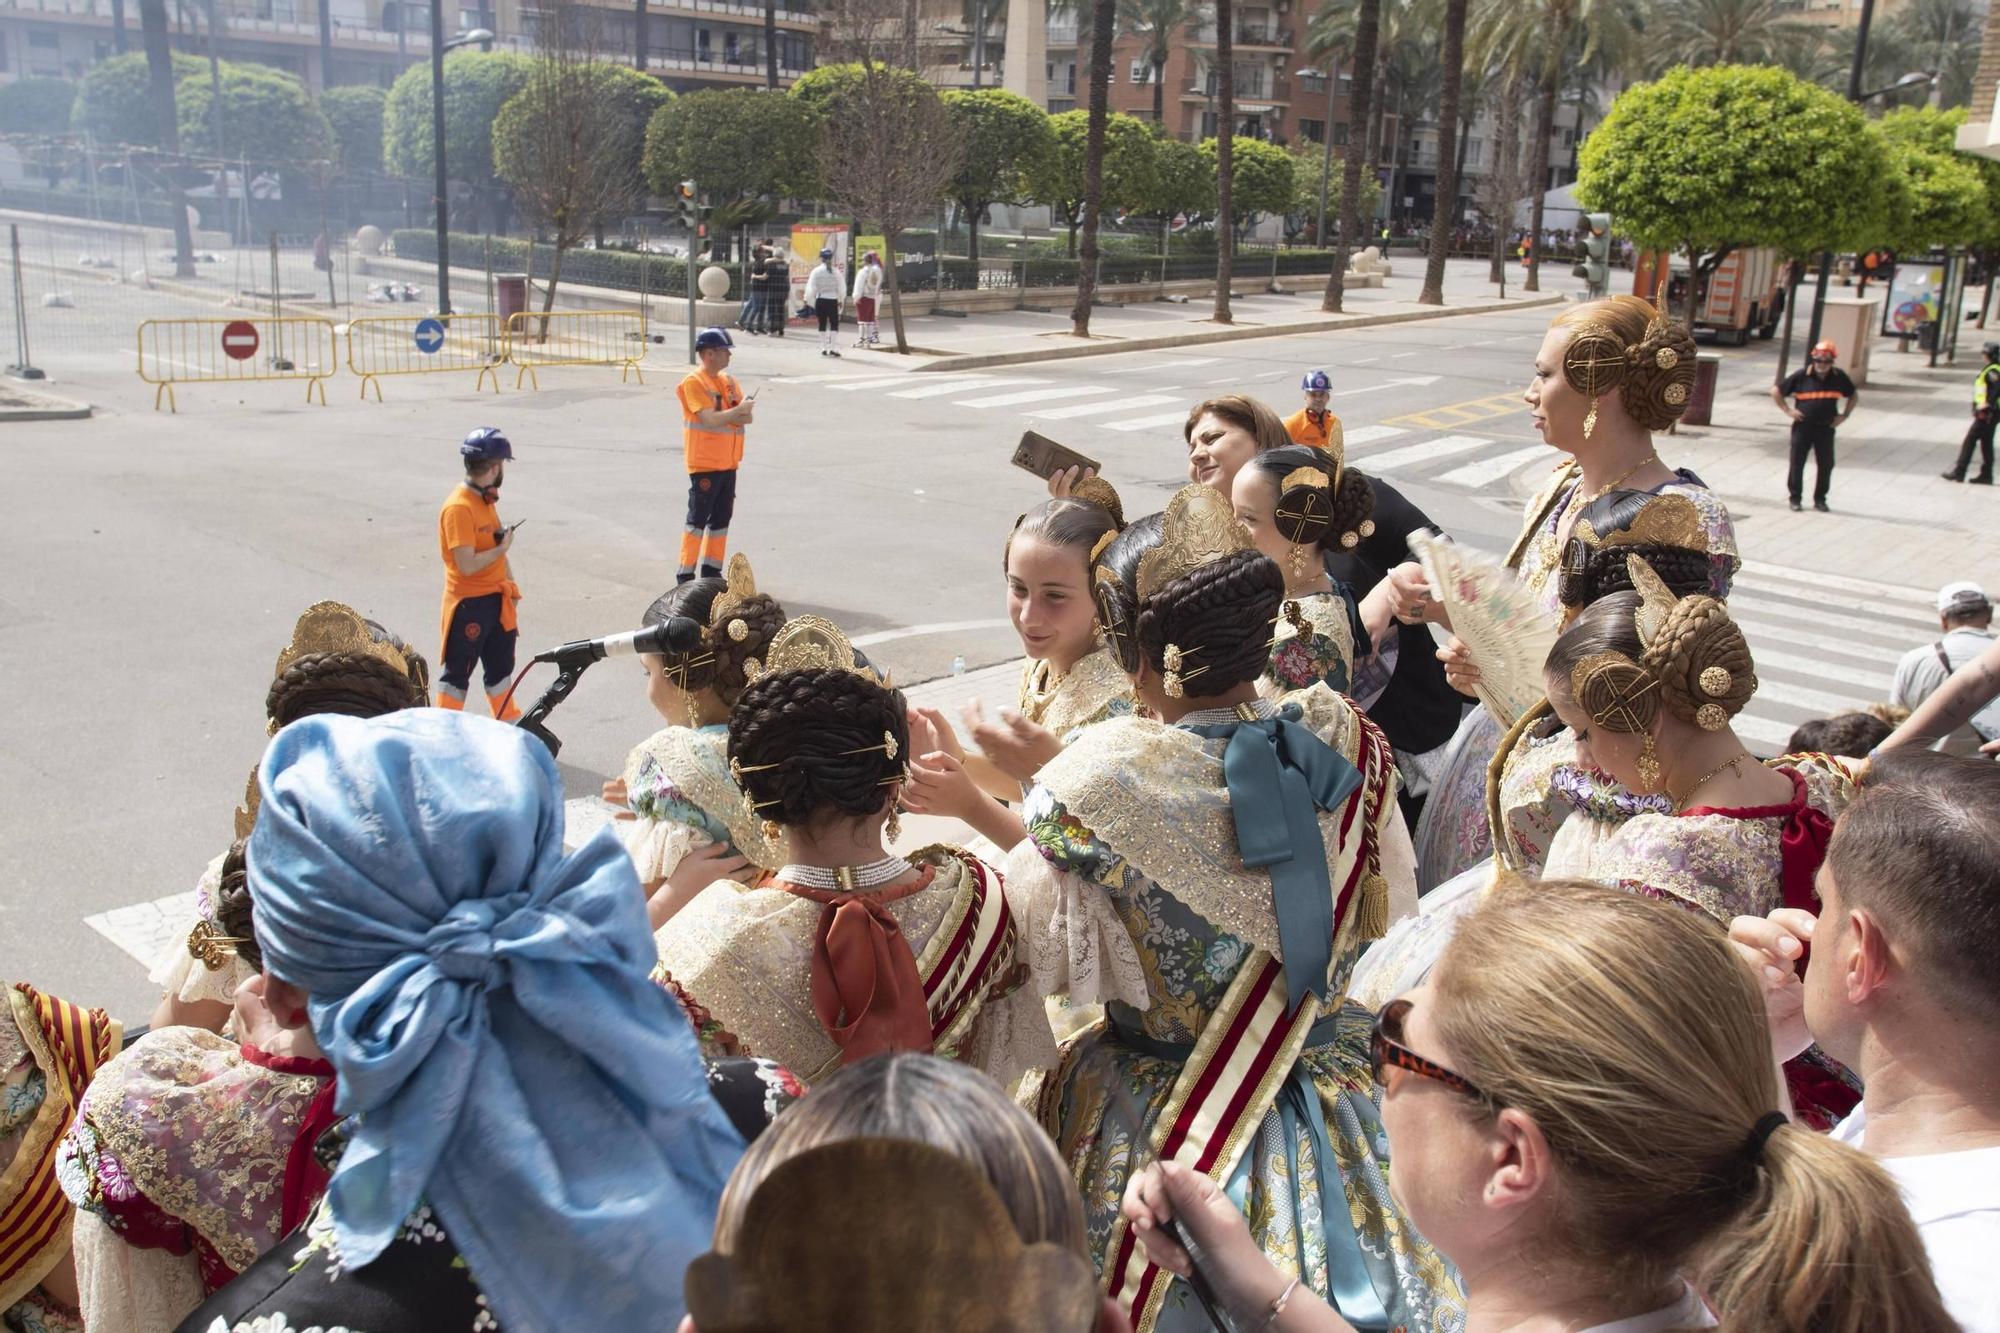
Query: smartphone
[[1039, 454]]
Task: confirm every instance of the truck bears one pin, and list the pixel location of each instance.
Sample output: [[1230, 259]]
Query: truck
[[1744, 294]]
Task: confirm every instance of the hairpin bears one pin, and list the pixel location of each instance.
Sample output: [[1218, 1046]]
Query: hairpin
[[211, 947], [887, 747]]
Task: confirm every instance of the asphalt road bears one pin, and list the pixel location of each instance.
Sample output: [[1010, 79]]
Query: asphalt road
[[157, 562]]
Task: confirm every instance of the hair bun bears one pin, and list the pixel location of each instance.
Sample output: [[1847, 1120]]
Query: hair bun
[[1097, 491], [1661, 378], [1703, 663]]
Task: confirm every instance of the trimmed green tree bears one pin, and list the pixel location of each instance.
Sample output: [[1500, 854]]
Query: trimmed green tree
[[1004, 138], [114, 103], [1131, 174], [36, 106], [355, 113], [1309, 163], [744, 148], [477, 84], [1944, 202], [1265, 178], [1184, 178], [267, 116], [1704, 161]]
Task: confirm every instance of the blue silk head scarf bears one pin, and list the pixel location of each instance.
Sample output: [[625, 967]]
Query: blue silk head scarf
[[485, 1001]]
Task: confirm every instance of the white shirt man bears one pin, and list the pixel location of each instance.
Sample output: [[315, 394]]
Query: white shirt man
[[1965, 615], [1902, 988]]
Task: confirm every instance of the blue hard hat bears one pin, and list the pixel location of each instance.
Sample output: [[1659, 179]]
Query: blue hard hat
[[486, 443], [826, 254], [1316, 381], [708, 338]]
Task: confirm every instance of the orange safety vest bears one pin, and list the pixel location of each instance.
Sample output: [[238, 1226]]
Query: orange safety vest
[[710, 448], [1323, 434]]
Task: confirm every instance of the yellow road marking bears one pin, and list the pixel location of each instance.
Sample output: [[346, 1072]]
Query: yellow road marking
[[1453, 415]]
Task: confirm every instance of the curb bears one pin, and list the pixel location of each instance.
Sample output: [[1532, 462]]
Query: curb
[[1327, 324]]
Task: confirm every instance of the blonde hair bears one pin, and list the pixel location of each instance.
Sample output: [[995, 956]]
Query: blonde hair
[[1629, 1032], [1657, 380], [1245, 413], [929, 1100]]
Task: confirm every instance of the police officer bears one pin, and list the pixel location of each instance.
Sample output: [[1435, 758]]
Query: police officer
[[1985, 414], [713, 415], [1313, 424], [1818, 389], [478, 621]]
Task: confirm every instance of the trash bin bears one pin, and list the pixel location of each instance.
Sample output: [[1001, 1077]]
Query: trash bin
[[1927, 336], [1701, 400], [510, 291]]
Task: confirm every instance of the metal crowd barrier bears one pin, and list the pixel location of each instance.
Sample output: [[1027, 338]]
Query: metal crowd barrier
[[576, 338], [379, 345], [236, 351]]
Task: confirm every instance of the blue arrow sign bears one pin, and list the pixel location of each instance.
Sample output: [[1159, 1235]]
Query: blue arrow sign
[[429, 335]]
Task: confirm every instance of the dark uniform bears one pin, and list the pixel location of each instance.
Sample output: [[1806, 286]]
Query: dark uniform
[[1985, 414], [1820, 400]]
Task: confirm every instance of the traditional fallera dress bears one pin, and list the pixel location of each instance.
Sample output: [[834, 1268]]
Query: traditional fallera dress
[[1453, 834], [1720, 862], [191, 1155], [49, 1051], [1323, 655], [1094, 689], [677, 782], [190, 974], [750, 967], [1135, 892]]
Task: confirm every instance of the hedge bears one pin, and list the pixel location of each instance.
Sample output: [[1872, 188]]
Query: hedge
[[622, 270]]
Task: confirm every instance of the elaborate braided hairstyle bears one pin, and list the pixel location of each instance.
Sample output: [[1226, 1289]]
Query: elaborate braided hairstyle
[[817, 745], [340, 662], [1204, 632], [1667, 530], [1077, 523], [232, 906], [1628, 655], [719, 663], [1628, 344], [1321, 503]]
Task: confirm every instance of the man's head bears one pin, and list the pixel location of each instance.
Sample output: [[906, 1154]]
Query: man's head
[[1964, 604], [1909, 922], [486, 453], [1850, 735], [1991, 351], [1824, 354], [713, 347], [1318, 388]]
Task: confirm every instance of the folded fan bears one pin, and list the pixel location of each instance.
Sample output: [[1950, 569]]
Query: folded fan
[[1498, 619]]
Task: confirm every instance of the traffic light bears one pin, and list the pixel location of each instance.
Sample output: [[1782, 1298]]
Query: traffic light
[[1597, 252], [690, 206]]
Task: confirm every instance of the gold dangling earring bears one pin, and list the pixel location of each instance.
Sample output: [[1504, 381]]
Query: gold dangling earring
[[1649, 766], [694, 714], [1590, 418], [1097, 633], [892, 827], [1296, 557], [773, 831]]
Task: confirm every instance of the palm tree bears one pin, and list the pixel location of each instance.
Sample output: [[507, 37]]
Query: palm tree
[[1603, 26], [1445, 198], [1722, 32], [1157, 23], [770, 43], [1367, 32], [1103, 28], [1225, 156], [1941, 36]]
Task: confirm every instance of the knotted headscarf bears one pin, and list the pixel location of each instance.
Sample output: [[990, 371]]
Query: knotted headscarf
[[486, 1002]]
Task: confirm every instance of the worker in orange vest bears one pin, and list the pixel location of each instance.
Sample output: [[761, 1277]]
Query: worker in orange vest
[[713, 415], [1313, 425], [478, 621]]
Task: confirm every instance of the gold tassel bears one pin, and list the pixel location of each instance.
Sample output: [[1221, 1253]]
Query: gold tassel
[[1371, 908]]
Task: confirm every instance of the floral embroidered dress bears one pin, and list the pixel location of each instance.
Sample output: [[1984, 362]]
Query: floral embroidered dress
[[1137, 896], [741, 961], [1324, 654], [678, 785], [1453, 834], [1094, 689], [190, 1156], [420, 1284]]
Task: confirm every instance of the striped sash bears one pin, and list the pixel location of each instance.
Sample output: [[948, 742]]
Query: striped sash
[[962, 963]]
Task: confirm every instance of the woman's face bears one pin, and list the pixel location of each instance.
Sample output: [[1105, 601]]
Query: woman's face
[[1440, 1142], [1612, 753], [1558, 409], [669, 700], [1217, 450], [1255, 496], [1049, 602]]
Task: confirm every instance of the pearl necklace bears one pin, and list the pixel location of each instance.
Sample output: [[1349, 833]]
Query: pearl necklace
[[871, 876]]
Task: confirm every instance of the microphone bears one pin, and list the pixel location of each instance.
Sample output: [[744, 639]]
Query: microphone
[[678, 634]]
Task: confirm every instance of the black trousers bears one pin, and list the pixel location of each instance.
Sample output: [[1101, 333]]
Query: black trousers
[[1817, 440], [1980, 432], [828, 311], [477, 640], [705, 535]]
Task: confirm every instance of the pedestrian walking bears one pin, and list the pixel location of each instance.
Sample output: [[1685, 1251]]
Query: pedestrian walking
[[1312, 425], [713, 415], [867, 287], [755, 280], [777, 289], [823, 293], [478, 622], [1985, 413], [1819, 390], [1965, 618]]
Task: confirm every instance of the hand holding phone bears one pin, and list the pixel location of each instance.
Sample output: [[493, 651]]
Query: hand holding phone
[[1044, 457]]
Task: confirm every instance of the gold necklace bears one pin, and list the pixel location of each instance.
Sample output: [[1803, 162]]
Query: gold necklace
[[1730, 764], [1619, 480]]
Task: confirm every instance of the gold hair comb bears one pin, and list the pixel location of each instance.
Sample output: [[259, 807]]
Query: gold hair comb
[[741, 587], [1198, 529], [210, 947], [335, 627], [813, 643]]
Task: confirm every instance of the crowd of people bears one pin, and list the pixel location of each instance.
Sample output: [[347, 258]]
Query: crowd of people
[[1293, 973]]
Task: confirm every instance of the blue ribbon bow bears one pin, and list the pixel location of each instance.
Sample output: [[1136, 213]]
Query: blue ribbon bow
[[1280, 776]]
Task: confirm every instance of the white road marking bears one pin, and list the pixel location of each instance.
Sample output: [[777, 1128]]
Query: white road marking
[[918, 631], [1149, 423], [1370, 434], [1444, 446], [1035, 396], [1389, 384], [1489, 470], [1094, 409], [940, 390], [1181, 363], [1860, 678], [1763, 608]]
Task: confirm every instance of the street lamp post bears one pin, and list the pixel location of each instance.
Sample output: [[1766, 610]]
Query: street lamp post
[[477, 37], [1326, 143]]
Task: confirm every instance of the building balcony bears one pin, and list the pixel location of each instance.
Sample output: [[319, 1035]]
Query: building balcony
[[1061, 34], [1270, 92], [1247, 38]]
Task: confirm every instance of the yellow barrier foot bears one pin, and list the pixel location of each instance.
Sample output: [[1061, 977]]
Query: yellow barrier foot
[[484, 371], [319, 384], [167, 388]]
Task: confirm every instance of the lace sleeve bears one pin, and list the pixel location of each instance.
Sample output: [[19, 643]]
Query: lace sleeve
[[1060, 880], [183, 976], [120, 1286]]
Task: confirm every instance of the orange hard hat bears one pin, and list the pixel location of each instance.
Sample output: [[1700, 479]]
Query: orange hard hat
[[1825, 347]]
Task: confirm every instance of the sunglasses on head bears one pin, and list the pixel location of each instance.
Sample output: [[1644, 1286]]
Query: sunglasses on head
[[1386, 1051]]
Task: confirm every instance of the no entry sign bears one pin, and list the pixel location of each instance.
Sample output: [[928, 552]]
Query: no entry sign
[[239, 340]]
